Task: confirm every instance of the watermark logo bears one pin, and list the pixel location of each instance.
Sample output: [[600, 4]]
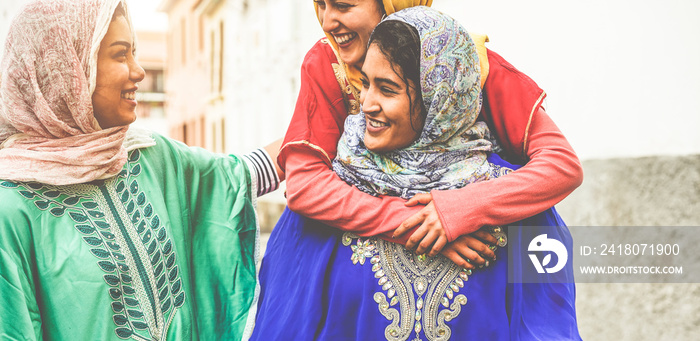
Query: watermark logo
[[543, 244]]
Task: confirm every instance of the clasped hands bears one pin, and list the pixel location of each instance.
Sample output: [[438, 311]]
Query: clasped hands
[[468, 251]]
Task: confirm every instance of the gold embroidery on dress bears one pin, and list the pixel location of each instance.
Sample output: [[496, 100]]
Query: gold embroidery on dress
[[425, 289], [350, 94]]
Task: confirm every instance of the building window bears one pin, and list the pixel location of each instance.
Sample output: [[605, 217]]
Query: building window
[[221, 56], [153, 81], [201, 33], [223, 135], [183, 47], [214, 137], [212, 61], [170, 49], [202, 131]]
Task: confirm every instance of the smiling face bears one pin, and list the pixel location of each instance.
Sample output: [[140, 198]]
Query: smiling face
[[350, 22], [392, 121], [113, 100]]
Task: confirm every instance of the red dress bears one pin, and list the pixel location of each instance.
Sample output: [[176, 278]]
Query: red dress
[[512, 108]]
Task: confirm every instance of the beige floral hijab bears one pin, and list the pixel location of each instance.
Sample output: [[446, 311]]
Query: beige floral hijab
[[50, 133]]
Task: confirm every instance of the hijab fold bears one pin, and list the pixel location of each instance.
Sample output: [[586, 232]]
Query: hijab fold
[[452, 148], [49, 68]]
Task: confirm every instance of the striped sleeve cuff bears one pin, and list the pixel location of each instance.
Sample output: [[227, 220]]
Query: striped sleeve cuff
[[265, 171]]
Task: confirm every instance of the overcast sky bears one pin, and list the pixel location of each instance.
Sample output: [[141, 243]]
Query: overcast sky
[[146, 17]]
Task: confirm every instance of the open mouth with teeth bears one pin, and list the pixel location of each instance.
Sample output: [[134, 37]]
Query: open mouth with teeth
[[129, 95], [376, 124], [344, 38]]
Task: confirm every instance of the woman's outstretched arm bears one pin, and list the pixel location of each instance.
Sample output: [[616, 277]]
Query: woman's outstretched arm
[[264, 167], [273, 150]]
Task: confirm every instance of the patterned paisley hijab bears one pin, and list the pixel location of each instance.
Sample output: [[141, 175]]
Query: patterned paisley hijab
[[452, 148], [49, 133]]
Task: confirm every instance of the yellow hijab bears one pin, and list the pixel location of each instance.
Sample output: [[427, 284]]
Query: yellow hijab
[[391, 6]]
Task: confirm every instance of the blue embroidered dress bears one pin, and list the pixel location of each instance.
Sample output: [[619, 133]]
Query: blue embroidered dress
[[163, 251], [319, 283]]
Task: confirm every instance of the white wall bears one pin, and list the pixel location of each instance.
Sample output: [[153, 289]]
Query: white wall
[[622, 76], [265, 48], [8, 10]]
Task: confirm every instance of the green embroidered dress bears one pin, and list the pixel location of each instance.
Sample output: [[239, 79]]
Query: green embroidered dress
[[163, 251]]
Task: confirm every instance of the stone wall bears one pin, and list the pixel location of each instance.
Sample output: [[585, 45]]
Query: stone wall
[[651, 191]]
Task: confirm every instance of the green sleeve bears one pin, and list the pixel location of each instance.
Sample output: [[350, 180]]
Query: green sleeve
[[19, 312], [217, 191]]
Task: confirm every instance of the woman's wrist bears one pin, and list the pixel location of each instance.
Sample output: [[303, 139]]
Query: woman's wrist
[[264, 171]]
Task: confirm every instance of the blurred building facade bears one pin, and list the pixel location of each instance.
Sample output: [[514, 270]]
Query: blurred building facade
[[150, 50], [233, 69], [186, 78]]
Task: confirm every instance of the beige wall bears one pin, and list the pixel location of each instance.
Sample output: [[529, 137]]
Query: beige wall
[[650, 191], [151, 48], [244, 59], [151, 52], [185, 73]]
